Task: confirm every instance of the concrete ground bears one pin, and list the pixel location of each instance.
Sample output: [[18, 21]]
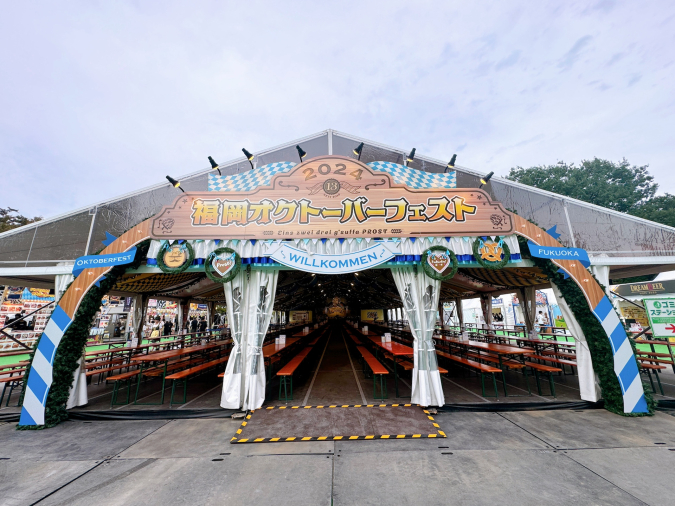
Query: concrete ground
[[519, 458]]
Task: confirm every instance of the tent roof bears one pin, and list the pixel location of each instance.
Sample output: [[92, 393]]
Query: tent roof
[[630, 245]]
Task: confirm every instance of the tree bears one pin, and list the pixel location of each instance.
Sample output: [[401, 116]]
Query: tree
[[8, 220], [617, 186], [660, 209]]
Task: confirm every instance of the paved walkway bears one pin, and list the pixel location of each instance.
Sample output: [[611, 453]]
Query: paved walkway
[[519, 458]]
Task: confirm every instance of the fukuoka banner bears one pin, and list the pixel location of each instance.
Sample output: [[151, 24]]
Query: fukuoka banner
[[331, 197]]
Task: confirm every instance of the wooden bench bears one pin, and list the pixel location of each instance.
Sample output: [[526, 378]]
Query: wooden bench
[[559, 354], [119, 378], [537, 368], [185, 374], [654, 360], [377, 369], [478, 367], [560, 361], [94, 372], [509, 363], [12, 382], [652, 367], [287, 371]]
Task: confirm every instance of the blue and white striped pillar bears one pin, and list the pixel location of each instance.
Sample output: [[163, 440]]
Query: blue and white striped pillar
[[40, 376], [625, 365]]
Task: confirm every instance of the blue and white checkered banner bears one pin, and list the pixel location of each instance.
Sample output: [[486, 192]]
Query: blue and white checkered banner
[[416, 178], [625, 365], [40, 376]]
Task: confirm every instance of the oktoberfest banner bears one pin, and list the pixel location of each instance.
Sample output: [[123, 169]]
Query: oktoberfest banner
[[110, 260]]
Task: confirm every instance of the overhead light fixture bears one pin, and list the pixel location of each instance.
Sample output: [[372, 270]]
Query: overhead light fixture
[[451, 163], [410, 157], [214, 165], [358, 150], [301, 152], [174, 183], [249, 156], [484, 180]]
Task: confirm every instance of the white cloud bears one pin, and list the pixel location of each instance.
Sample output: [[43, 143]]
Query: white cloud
[[98, 99]]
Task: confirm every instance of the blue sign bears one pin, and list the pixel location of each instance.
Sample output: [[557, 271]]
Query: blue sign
[[553, 253], [110, 260], [332, 264]]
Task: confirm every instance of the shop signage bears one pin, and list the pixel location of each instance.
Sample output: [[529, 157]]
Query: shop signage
[[649, 288], [110, 260], [331, 197], [371, 315], [554, 253], [661, 314], [332, 264]]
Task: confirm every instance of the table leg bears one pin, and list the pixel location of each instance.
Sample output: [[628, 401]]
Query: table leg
[[138, 382], [395, 376], [166, 363], [501, 366]]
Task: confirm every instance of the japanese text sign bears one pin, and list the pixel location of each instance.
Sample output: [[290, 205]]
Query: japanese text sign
[[331, 197], [661, 314]]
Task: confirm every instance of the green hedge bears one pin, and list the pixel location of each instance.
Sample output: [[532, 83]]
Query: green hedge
[[598, 341], [75, 339]]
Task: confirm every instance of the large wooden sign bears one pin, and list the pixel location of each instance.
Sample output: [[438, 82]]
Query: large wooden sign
[[331, 197]]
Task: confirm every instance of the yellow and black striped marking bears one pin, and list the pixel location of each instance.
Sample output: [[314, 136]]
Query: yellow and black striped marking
[[438, 433]]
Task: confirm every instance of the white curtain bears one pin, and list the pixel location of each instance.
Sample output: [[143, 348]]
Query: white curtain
[[234, 299], [262, 286], [588, 383], [419, 294], [250, 299]]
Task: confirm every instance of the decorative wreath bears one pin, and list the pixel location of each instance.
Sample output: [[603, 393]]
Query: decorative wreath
[[175, 270], [506, 254], [430, 271], [208, 267]]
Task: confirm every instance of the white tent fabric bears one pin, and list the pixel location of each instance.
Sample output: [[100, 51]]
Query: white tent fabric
[[419, 294], [231, 397], [588, 383], [262, 287]]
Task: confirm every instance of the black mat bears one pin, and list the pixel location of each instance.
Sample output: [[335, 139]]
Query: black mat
[[337, 422]]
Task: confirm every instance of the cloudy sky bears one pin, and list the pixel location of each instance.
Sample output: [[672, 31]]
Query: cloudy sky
[[100, 98]]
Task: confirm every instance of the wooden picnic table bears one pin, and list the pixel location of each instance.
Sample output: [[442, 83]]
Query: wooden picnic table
[[16, 352], [501, 350], [396, 349], [270, 350], [542, 341], [165, 356]]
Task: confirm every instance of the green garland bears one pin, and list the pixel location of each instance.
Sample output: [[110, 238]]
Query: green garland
[[596, 337], [208, 266], [74, 340], [433, 274], [174, 270], [491, 265]]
